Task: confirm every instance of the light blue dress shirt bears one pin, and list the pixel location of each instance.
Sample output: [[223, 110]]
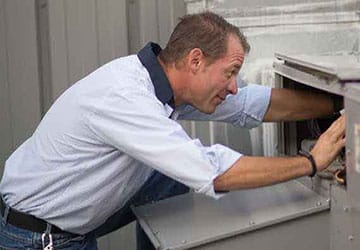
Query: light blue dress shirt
[[103, 137]]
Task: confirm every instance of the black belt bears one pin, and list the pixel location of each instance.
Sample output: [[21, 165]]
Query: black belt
[[26, 221]]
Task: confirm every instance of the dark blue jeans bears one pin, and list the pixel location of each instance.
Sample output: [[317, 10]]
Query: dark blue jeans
[[12, 237], [158, 187]]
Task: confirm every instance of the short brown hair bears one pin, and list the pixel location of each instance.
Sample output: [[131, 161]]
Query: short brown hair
[[206, 31]]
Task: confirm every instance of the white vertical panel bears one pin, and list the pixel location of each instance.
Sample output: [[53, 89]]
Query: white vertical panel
[[81, 34], [5, 118], [270, 138], [112, 29], [23, 75]]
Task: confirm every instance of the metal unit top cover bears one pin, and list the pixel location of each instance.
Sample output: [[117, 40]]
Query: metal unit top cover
[[345, 67]]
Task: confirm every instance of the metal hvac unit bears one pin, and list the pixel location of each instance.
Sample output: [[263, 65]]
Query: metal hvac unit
[[311, 213], [337, 75]]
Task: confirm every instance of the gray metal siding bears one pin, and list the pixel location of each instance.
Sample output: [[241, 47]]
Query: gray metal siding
[[5, 124], [47, 45], [19, 77], [82, 36]]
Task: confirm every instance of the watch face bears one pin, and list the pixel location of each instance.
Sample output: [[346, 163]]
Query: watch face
[[357, 148]]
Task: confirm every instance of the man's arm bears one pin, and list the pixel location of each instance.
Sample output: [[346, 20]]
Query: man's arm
[[252, 172], [291, 105]]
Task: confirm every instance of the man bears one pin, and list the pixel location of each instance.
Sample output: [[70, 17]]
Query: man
[[110, 141]]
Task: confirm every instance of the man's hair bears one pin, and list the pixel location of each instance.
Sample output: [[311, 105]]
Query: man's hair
[[206, 31]]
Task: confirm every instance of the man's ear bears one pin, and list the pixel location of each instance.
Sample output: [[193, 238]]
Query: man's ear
[[195, 59]]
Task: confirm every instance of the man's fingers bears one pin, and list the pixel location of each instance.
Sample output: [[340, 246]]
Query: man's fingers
[[341, 127], [341, 143], [337, 128], [338, 123]]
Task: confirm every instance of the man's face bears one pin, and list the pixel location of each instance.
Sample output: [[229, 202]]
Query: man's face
[[215, 81]]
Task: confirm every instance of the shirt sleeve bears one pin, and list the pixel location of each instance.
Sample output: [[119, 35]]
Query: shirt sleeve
[[135, 122], [245, 109]]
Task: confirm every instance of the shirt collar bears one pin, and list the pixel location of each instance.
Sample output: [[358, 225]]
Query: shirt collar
[[148, 57]]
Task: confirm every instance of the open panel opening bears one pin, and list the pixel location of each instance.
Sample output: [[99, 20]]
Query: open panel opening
[[302, 135]]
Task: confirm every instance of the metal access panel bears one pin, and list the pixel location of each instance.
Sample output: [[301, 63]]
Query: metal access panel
[[275, 217], [352, 102]]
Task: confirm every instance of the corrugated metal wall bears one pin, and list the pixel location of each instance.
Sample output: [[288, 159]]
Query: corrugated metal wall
[[47, 45], [20, 105]]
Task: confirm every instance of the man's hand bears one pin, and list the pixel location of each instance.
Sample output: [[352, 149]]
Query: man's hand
[[252, 171], [329, 144]]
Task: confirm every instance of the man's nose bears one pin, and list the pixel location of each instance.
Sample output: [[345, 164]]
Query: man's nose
[[232, 87]]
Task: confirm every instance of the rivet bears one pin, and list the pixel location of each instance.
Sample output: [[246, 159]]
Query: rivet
[[183, 241], [318, 204], [351, 237], [252, 222], [346, 209]]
